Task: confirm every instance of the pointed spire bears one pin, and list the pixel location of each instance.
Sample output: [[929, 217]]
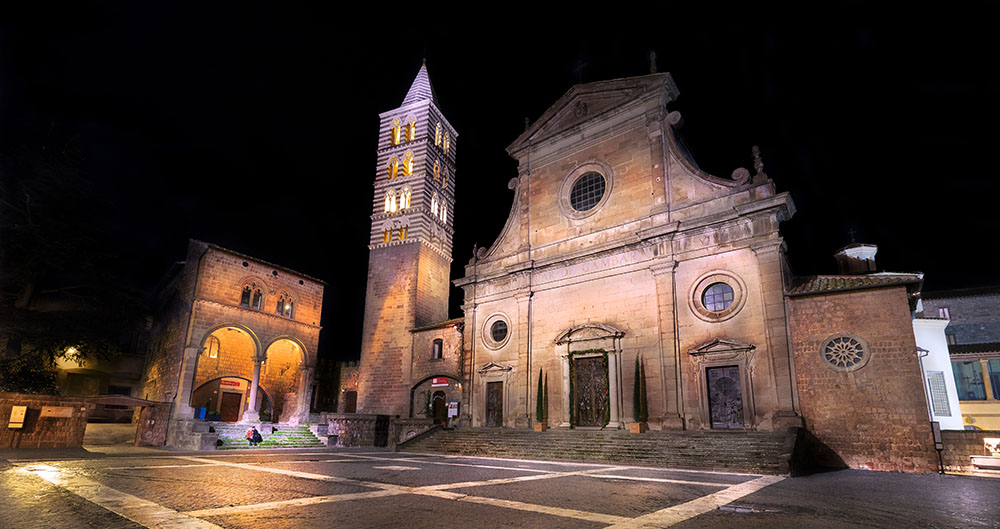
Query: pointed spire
[[421, 88]]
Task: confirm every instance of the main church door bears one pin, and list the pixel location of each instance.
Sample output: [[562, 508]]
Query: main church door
[[494, 404], [590, 388], [725, 401]]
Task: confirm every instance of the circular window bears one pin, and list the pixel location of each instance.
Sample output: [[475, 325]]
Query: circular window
[[718, 297], [845, 352], [587, 191], [496, 331]]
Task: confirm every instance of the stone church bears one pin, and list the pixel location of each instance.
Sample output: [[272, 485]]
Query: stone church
[[617, 248]]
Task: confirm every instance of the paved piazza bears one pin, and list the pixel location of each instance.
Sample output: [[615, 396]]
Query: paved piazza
[[357, 489]]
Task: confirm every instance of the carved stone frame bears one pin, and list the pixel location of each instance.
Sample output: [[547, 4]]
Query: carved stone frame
[[592, 336], [566, 187], [495, 372], [721, 353], [708, 279]]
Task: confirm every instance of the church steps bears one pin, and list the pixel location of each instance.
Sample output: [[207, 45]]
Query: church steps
[[233, 437], [758, 452]]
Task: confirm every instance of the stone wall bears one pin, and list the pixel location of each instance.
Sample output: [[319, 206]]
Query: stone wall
[[874, 417], [43, 432], [358, 429], [960, 445], [973, 315]]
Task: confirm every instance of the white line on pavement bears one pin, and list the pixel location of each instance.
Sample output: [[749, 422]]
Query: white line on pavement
[[239, 509], [661, 480], [678, 513], [138, 510], [555, 511]]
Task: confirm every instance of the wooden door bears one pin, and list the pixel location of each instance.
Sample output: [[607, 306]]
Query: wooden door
[[494, 404], [231, 406], [590, 386], [350, 402], [725, 399], [439, 407]]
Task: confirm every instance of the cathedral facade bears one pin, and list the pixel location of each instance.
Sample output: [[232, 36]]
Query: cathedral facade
[[618, 251]]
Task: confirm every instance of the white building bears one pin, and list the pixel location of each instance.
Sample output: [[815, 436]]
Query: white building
[[939, 382]]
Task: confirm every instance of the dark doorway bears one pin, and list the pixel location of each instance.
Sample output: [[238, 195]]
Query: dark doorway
[[350, 402], [494, 404], [230, 409], [725, 400], [590, 387], [440, 407]]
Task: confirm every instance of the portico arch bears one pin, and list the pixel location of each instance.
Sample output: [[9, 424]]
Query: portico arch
[[287, 376], [422, 394]]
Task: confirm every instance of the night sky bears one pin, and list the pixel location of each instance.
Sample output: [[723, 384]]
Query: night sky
[[256, 130]]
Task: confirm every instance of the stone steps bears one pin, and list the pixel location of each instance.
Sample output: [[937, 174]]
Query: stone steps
[[755, 452], [233, 438]]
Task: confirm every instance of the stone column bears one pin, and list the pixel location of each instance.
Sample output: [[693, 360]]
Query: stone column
[[253, 414], [565, 393], [524, 387], [615, 401], [670, 361], [305, 393], [182, 401]]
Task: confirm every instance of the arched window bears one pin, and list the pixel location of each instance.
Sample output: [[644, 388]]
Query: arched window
[[444, 178], [394, 132], [444, 213], [436, 349], [434, 204], [411, 129], [385, 235], [212, 347], [390, 201], [258, 299], [408, 163], [404, 199], [447, 142], [437, 170], [245, 296], [393, 167], [402, 232], [437, 135], [284, 306]]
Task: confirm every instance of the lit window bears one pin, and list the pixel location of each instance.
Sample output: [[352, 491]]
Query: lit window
[[394, 132], [411, 130], [943, 313], [393, 167], [969, 380], [437, 170], [437, 135], [444, 213], [212, 347], [446, 142], [436, 349], [444, 178], [245, 296], [434, 204], [385, 235], [284, 306], [718, 297], [408, 163], [402, 233], [951, 339], [404, 199], [258, 299], [390, 201]]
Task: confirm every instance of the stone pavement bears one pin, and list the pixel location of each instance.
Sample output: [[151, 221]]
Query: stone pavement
[[366, 489]]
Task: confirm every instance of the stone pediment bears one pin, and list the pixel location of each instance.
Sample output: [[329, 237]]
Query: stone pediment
[[586, 101], [721, 345], [493, 367], [588, 331]]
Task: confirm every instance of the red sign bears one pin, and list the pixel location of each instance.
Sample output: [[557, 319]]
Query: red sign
[[439, 382], [230, 383]]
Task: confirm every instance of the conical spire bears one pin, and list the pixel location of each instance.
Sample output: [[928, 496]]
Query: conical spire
[[421, 88]]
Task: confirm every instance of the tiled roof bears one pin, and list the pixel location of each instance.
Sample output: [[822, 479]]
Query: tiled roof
[[420, 89], [973, 348], [802, 286]]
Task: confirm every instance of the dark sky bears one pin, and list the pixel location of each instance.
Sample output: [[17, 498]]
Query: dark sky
[[256, 129]]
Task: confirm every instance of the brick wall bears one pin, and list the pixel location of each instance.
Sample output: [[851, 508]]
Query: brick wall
[[39, 432], [960, 445], [974, 318], [874, 417]]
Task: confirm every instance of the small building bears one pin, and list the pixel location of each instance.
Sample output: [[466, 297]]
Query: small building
[[234, 339]]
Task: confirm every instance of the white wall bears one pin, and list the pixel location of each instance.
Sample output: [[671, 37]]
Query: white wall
[[929, 334]]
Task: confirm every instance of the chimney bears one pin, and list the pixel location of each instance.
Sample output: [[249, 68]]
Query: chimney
[[856, 258]]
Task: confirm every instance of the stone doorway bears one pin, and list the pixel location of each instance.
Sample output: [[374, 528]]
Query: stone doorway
[[590, 386], [725, 398], [494, 404], [350, 402], [439, 408], [230, 408]]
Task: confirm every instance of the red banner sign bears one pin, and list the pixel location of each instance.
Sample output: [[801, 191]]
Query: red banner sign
[[230, 383], [439, 382]]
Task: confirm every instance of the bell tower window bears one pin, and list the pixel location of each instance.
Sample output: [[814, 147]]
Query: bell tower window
[[393, 167], [437, 135], [390, 201], [434, 204], [437, 170], [394, 132], [446, 142], [411, 130], [408, 163], [404, 199]]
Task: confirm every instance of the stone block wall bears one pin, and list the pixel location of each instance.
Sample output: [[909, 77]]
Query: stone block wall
[[42, 432], [960, 445], [973, 316], [874, 417], [358, 429]]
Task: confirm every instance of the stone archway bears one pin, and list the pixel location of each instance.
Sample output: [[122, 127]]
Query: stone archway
[[283, 374], [228, 351]]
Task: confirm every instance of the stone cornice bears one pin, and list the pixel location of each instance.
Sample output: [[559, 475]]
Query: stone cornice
[[257, 312]]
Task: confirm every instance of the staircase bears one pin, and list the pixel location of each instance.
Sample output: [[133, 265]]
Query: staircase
[[233, 437], [736, 451]]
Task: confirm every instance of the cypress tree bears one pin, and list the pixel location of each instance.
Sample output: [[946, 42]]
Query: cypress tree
[[545, 409], [643, 410], [636, 391], [539, 400]]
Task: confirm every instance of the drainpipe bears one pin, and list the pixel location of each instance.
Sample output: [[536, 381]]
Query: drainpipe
[[921, 354]]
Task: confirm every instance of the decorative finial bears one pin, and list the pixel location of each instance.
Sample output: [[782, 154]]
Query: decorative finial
[[527, 123], [758, 164], [652, 62], [424, 59], [850, 232]]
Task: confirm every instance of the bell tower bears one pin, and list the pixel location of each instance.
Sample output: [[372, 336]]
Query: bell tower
[[409, 258]]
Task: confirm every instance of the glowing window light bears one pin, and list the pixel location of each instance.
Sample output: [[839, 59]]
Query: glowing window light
[[394, 132]]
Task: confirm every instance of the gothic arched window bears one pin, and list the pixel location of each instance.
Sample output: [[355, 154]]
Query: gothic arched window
[[390, 201], [245, 296], [434, 204], [402, 232], [408, 163], [404, 199], [258, 299], [212, 347], [436, 349], [284, 306], [444, 213], [411, 129], [394, 132], [437, 170], [393, 167], [446, 142], [437, 135]]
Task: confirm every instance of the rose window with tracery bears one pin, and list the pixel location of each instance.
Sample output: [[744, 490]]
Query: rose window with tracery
[[845, 352]]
